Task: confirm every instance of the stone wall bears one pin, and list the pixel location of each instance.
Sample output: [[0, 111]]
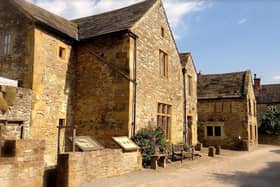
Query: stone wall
[[18, 112], [52, 88], [26, 167], [237, 117], [269, 139], [102, 100], [232, 118], [17, 65], [191, 101], [152, 88], [76, 169]]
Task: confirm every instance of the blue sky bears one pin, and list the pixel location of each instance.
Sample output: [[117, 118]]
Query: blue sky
[[223, 35]]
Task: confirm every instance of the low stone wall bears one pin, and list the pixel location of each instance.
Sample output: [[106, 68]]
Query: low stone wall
[[15, 108], [269, 139], [75, 169], [24, 165]]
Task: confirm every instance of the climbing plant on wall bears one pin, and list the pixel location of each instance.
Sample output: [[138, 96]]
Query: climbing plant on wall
[[270, 122]]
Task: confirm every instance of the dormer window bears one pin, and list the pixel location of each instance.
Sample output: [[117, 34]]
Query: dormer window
[[6, 43]]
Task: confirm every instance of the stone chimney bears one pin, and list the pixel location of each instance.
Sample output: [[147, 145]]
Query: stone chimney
[[257, 82]]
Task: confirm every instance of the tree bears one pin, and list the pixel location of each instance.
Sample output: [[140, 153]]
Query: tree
[[270, 122]]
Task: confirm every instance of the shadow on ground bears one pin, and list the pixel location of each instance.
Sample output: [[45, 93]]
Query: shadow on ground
[[268, 177], [276, 151]]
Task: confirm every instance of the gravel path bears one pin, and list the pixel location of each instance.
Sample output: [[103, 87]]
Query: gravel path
[[259, 168]]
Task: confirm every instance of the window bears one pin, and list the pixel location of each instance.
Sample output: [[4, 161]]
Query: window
[[162, 32], [214, 131], [250, 107], [163, 58], [190, 85], [6, 44], [210, 131], [62, 53], [61, 122], [164, 118], [219, 107]]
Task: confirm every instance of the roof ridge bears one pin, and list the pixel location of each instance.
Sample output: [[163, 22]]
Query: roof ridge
[[45, 10], [229, 73], [112, 11]]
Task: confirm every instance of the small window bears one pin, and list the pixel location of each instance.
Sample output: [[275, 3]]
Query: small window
[[162, 32], [7, 40], [214, 131], [219, 107], [62, 53], [210, 131], [61, 122], [163, 64], [190, 85], [218, 131]]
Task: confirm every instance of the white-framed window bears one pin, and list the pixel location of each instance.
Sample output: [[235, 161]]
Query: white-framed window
[[6, 43], [212, 131]]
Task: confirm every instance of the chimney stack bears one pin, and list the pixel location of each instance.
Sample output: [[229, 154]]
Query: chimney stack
[[257, 82]]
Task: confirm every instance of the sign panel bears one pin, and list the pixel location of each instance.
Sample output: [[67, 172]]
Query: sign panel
[[86, 143], [126, 143]]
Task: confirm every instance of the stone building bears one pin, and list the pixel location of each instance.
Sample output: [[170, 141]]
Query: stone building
[[190, 97], [268, 99], [267, 96], [109, 75], [227, 110]]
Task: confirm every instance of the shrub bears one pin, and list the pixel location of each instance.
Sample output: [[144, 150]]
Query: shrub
[[151, 140]]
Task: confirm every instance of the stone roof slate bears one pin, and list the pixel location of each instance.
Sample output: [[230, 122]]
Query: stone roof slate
[[114, 21], [43, 16], [268, 94], [229, 85]]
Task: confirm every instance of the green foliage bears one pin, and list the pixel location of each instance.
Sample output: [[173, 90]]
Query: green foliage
[[151, 140], [270, 122]]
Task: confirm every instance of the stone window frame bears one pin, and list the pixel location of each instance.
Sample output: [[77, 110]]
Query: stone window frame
[[190, 85], [6, 43], [62, 52], [164, 71], [213, 125], [165, 112]]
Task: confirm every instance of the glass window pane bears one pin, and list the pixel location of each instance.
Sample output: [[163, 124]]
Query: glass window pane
[[210, 131], [218, 131]]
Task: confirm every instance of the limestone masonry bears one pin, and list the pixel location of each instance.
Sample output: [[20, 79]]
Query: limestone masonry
[[108, 75]]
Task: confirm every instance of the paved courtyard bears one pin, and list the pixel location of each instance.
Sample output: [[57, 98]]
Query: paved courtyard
[[259, 168]]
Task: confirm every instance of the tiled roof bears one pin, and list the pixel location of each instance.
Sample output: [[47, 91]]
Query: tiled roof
[[268, 94], [43, 16], [229, 85], [114, 21]]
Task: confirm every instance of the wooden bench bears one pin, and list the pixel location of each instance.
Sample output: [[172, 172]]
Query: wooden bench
[[158, 160], [178, 151]]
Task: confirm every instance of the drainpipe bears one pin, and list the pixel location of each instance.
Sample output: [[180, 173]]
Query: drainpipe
[[134, 83], [185, 132]]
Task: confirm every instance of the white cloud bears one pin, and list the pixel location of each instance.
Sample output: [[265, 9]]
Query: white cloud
[[176, 9], [276, 77], [242, 21]]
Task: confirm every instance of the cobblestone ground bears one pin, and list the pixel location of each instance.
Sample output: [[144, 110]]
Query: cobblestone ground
[[259, 168]]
